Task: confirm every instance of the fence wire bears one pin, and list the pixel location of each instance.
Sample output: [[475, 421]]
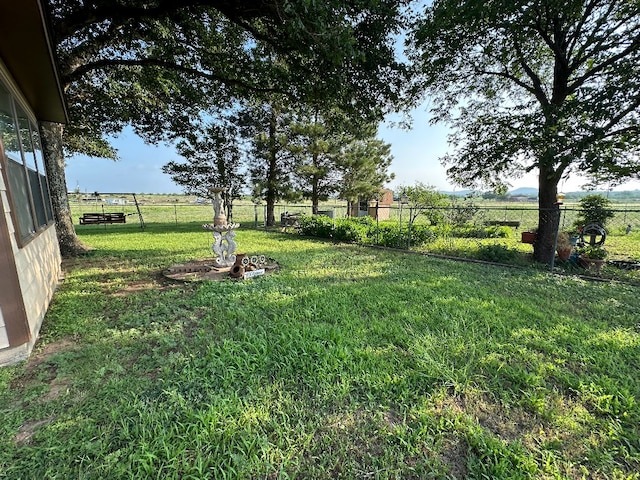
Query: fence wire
[[493, 233]]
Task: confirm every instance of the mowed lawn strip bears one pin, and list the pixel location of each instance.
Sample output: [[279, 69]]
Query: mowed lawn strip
[[349, 362]]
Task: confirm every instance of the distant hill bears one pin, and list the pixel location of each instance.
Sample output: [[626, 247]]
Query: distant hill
[[525, 191], [615, 196], [459, 193]]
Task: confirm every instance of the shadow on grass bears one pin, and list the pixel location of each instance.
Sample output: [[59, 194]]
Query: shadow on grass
[[348, 360]]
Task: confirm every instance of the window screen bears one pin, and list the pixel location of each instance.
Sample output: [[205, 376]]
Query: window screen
[[27, 182]]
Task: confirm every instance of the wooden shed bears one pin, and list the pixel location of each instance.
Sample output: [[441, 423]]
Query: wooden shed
[[369, 206]]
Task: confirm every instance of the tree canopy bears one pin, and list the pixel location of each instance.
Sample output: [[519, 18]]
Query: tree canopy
[[213, 159], [533, 85], [159, 64]]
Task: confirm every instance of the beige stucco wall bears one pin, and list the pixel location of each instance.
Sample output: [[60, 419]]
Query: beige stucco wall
[[4, 340], [39, 268], [38, 265]]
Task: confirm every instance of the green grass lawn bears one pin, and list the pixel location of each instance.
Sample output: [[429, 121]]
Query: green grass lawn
[[349, 362]]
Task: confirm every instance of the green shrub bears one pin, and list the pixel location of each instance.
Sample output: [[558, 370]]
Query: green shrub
[[497, 253], [462, 212], [422, 234], [498, 232], [593, 251], [390, 235], [316, 226], [351, 230], [594, 209], [340, 230], [472, 231]]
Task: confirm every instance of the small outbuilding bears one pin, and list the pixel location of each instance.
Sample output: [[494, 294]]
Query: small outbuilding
[[30, 91], [378, 208]]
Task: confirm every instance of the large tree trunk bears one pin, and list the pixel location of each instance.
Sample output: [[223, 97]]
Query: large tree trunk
[[272, 172], [51, 134], [315, 200], [548, 216]]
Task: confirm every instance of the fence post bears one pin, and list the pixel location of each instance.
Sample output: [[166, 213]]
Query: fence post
[[409, 230], [377, 221], [175, 211], [555, 238]]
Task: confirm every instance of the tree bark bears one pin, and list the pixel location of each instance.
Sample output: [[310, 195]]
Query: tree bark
[[548, 212], [315, 194], [315, 201], [68, 241], [270, 196]]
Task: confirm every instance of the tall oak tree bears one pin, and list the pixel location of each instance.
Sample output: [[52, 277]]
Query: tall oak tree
[[533, 85], [158, 64]]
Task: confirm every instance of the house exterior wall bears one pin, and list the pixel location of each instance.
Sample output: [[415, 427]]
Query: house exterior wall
[[38, 269], [30, 263]]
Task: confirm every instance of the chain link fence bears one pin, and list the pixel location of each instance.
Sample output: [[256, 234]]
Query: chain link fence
[[486, 232], [247, 214]]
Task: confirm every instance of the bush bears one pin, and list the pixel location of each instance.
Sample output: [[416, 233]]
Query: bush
[[471, 231], [461, 212], [594, 209], [340, 230], [390, 235], [421, 234], [316, 226], [497, 253], [351, 230]]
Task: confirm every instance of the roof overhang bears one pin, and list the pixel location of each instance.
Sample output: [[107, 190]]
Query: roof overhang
[[27, 51]]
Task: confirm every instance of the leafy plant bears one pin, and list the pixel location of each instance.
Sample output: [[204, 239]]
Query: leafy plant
[[593, 252], [594, 209], [351, 230], [426, 200], [316, 226], [563, 241], [496, 253], [461, 212]]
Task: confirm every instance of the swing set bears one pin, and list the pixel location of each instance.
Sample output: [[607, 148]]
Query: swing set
[[103, 217]]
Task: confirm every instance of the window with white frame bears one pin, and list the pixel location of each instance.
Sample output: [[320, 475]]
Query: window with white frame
[[27, 187]]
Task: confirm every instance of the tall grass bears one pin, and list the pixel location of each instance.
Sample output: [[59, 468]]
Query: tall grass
[[347, 363]]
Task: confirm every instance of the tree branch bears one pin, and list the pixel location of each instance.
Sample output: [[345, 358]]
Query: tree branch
[[88, 15], [152, 62], [536, 89], [572, 39], [578, 82]]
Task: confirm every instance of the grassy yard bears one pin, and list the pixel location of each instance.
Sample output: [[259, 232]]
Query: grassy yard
[[349, 362]]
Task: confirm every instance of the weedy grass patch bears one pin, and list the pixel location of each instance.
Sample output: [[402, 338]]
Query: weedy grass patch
[[349, 362]]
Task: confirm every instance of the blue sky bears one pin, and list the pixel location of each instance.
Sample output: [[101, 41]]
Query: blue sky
[[139, 169]]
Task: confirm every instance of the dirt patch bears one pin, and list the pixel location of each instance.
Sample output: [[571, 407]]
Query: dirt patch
[[510, 424], [201, 270], [37, 371], [392, 419], [27, 430], [157, 282], [57, 388], [40, 355], [136, 286], [454, 455]]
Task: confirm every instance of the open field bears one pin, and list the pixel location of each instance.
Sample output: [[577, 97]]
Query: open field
[[623, 242], [349, 362]]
